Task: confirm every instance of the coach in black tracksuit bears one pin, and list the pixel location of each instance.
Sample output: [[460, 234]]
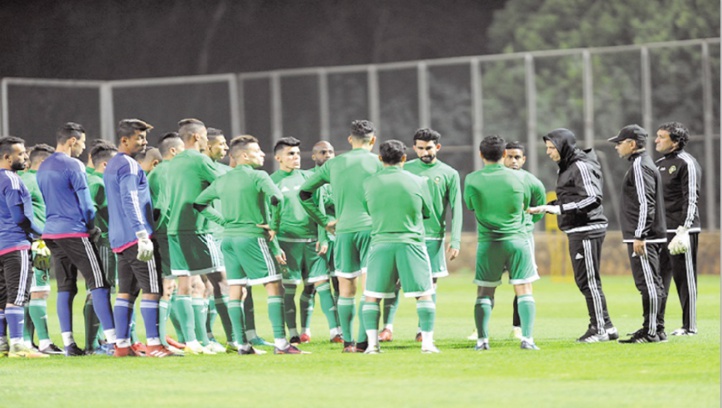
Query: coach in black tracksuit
[[681, 176], [643, 229], [581, 217]]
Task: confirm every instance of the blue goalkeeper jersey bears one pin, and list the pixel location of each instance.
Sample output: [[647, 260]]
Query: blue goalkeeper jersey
[[129, 205], [16, 213], [68, 207]]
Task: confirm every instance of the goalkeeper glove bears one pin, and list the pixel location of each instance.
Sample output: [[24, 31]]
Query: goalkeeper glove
[[41, 255], [680, 243], [145, 247]]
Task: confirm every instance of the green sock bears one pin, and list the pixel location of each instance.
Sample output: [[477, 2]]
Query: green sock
[[482, 315], [527, 312], [186, 318], [235, 313], [433, 299], [426, 309], [222, 309], [275, 314], [39, 316], [362, 337], [390, 307], [28, 328], [248, 310], [371, 314], [306, 306], [289, 306], [346, 309], [327, 305], [92, 324], [163, 312], [200, 320], [212, 315]]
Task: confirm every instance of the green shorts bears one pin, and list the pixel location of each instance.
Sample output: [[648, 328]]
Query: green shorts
[[350, 253], [392, 262], [437, 257], [330, 264], [303, 263], [163, 248], [249, 261], [493, 257], [193, 254], [41, 281]]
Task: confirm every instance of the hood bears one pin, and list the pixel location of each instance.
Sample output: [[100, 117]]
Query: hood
[[566, 144]]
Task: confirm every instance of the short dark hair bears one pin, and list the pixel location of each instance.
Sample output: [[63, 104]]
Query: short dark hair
[[241, 142], [128, 127], [677, 132], [289, 141], [40, 151], [170, 139], [214, 133], [152, 152], [392, 151], [427, 135], [516, 145], [102, 152], [362, 130], [68, 131], [7, 142], [492, 148], [189, 127]]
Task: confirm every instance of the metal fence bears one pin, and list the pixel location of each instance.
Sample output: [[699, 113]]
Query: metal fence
[[521, 96]]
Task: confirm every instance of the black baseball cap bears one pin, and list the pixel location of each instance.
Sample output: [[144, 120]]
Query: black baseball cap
[[634, 132]]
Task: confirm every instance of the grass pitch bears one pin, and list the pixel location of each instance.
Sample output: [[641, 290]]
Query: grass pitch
[[683, 372]]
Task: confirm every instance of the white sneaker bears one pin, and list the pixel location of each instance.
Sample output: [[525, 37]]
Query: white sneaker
[[473, 336], [516, 332], [373, 350], [216, 347], [194, 347], [209, 350], [175, 351], [431, 349]]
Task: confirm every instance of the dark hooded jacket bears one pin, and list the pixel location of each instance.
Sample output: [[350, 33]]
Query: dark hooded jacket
[[579, 187]]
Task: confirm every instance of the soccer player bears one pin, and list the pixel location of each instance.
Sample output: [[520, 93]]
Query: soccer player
[[346, 174], [445, 191], [681, 175], [245, 193], [497, 196], [192, 249], [130, 226], [70, 233], [644, 229], [398, 201], [16, 229], [581, 217], [36, 316], [149, 159], [302, 240]]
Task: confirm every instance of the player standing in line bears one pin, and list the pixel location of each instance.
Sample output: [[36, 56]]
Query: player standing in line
[[193, 252], [16, 229], [170, 145], [398, 202], [681, 179], [36, 313], [497, 197], [216, 286], [245, 194], [130, 225], [303, 242], [149, 159], [70, 233], [581, 217], [445, 189], [346, 173], [643, 229]]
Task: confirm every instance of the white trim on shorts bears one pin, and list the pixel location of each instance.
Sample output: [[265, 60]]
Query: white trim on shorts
[[486, 284], [379, 295], [315, 279], [419, 294], [263, 281]]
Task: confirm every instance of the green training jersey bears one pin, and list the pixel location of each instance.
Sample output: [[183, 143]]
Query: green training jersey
[[210, 226], [188, 174], [30, 180], [398, 202], [159, 195], [295, 222], [537, 196], [497, 196], [445, 190], [346, 173], [96, 186], [244, 194]]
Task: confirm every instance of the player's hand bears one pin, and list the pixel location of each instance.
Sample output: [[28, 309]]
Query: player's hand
[[549, 209], [331, 227], [321, 249], [94, 234], [145, 247], [452, 253], [41, 255], [680, 243], [270, 234], [281, 258], [639, 247]]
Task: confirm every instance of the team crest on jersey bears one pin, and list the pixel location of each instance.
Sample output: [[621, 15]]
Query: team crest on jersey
[[672, 169], [437, 179]]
